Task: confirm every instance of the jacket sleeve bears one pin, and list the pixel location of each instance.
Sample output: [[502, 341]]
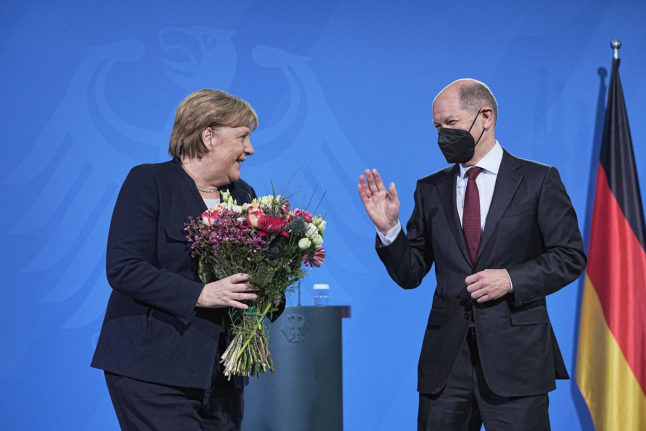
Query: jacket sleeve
[[131, 264], [409, 258], [563, 258]]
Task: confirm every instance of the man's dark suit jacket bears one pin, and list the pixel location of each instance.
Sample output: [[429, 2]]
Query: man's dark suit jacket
[[152, 330], [531, 231]]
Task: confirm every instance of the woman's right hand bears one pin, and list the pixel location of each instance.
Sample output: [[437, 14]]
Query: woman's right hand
[[228, 292]]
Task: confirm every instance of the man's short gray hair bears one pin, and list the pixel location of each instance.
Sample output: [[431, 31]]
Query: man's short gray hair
[[474, 95]]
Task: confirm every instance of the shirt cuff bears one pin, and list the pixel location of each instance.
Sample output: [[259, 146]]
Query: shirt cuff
[[391, 235], [511, 288]]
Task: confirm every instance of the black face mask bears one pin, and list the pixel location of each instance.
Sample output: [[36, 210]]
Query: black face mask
[[458, 145]]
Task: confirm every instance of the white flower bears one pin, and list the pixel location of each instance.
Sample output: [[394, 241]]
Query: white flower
[[225, 197], [304, 243], [266, 200], [320, 223], [311, 230], [317, 240]]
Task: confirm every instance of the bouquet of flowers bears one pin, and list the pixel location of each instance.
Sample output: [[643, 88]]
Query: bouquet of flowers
[[268, 240]]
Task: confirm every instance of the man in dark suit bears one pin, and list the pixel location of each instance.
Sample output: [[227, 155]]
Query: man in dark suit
[[503, 235]]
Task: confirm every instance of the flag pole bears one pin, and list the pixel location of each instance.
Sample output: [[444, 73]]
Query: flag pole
[[615, 44]]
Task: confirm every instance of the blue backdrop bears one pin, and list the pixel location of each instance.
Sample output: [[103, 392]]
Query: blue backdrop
[[89, 89]]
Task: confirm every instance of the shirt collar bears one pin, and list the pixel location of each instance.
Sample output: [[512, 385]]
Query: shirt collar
[[490, 162]]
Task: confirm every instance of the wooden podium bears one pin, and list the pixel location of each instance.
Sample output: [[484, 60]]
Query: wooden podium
[[306, 391]]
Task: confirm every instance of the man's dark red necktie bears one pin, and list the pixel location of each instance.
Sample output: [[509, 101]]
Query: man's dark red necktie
[[471, 213]]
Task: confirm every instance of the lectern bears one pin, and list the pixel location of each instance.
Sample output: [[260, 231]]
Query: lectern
[[306, 391]]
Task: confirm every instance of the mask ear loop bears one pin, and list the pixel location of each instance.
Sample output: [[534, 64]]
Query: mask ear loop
[[474, 122]]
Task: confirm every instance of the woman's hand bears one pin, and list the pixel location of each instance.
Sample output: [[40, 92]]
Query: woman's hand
[[381, 205], [228, 292]]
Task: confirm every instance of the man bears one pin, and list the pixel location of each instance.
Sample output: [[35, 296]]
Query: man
[[503, 235]]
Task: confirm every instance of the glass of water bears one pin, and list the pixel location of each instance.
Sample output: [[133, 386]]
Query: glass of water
[[321, 294]]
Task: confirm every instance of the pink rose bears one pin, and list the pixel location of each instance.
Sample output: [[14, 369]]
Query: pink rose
[[302, 213]]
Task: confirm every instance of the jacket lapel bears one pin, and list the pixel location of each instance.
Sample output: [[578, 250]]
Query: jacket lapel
[[446, 189], [194, 202], [507, 183]]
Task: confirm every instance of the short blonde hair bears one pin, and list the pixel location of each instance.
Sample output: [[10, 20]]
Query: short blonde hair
[[202, 109]]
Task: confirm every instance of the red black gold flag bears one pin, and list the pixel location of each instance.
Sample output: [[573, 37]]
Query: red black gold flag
[[611, 358]]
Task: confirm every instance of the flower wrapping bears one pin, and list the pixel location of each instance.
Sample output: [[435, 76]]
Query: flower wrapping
[[268, 240]]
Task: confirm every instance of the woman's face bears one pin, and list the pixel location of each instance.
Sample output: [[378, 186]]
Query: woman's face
[[228, 148]]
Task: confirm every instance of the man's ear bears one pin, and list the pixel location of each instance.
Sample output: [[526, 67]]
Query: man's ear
[[488, 118]]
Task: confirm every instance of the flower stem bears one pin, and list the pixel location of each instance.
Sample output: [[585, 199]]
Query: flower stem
[[255, 329]]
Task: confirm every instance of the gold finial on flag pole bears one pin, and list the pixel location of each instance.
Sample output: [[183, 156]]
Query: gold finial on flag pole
[[616, 44]]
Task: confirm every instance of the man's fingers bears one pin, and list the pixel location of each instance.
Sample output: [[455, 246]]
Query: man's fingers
[[374, 181], [393, 191], [362, 183], [474, 285], [472, 278], [479, 295], [379, 184], [370, 180], [364, 192], [371, 184], [488, 284], [366, 185]]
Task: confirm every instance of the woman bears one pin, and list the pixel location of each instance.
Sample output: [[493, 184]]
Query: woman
[[164, 330]]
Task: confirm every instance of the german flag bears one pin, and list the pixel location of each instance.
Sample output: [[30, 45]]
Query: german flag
[[611, 359]]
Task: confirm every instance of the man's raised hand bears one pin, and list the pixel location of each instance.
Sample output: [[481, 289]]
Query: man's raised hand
[[381, 205]]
